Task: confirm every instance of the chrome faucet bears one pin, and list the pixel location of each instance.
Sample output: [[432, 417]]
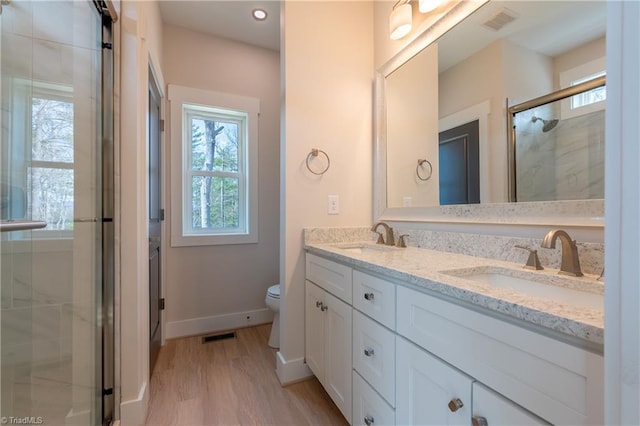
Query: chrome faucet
[[570, 264], [389, 240]]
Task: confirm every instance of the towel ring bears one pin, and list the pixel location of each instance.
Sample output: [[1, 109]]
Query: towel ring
[[419, 166], [314, 153]]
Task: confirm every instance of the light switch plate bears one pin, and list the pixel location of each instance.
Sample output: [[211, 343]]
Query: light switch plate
[[334, 204]]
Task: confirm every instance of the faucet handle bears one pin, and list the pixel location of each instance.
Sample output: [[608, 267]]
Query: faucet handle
[[533, 262], [401, 240]]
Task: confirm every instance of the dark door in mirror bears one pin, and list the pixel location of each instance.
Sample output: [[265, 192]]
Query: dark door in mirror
[[459, 159]]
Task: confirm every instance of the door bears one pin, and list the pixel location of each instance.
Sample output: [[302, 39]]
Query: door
[[155, 218], [52, 213], [314, 340], [337, 367], [428, 389], [459, 159]]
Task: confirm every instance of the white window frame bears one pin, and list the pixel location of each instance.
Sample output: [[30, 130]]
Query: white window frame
[[184, 102], [23, 92], [574, 76]]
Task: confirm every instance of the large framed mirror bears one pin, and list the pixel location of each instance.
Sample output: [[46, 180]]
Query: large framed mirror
[[442, 102]]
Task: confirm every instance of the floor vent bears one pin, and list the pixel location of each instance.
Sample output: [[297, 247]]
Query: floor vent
[[216, 337]]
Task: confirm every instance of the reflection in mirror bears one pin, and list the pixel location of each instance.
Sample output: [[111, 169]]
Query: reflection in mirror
[[544, 47], [558, 143]]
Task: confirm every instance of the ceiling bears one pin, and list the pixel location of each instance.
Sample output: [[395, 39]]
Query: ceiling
[[227, 19], [547, 27]]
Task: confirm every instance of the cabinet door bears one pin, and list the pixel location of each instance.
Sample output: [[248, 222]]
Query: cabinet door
[[314, 329], [426, 388], [369, 409], [337, 373], [492, 409]]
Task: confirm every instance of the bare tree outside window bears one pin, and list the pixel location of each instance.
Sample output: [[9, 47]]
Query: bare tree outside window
[[50, 175], [215, 191]]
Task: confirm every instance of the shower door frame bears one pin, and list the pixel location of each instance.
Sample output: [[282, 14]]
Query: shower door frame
[[107, 365], [534, 103]]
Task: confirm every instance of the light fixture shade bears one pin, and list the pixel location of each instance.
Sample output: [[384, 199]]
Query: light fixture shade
[[400, 21], [425, 6]]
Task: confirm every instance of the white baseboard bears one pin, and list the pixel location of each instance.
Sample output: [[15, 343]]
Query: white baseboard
[[215, 323], [291, 371], [134, 411]]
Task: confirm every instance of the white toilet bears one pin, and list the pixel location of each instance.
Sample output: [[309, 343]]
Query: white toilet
[[273, 302]]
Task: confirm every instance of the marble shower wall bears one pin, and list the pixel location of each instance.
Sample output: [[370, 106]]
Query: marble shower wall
[[564, 163]]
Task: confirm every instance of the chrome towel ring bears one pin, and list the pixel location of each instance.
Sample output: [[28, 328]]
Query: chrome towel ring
[[420, 166], [314, 153]]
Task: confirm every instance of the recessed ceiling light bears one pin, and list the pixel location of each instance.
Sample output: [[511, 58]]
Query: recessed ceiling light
[[259, 14]]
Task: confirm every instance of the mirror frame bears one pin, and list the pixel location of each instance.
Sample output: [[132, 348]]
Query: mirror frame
[[589, 213]]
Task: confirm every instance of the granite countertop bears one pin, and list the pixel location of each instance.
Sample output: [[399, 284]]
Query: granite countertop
[[424, 268]]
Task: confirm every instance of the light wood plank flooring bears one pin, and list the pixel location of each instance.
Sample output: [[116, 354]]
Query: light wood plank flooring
[[232, 382]]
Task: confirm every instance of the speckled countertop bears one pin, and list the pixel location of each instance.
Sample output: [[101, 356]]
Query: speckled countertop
[[424, 268]]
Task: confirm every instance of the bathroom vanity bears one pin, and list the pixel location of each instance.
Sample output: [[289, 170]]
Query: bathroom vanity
[[418, 336]]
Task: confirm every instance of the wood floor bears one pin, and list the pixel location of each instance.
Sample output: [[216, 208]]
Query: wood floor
[[232, 382]]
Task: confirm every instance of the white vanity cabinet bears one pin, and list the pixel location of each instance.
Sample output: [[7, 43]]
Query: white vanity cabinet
[[558, 382], [328, 329], [390, 354]]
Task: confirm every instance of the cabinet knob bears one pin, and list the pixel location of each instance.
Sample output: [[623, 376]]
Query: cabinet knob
[[455, 404], [368, 296], [318, 304], [368, 351], [368, 420], [324, 307], [479, 421]]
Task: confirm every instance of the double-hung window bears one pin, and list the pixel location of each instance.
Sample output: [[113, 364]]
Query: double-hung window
[[213, 167], [40, 158]]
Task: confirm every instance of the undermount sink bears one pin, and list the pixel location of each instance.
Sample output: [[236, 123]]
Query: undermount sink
[[365, 248], [553, 288]]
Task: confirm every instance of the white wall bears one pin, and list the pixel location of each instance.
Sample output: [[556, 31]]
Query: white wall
[[622, 204], [214, 287], [327, 59], [140, 41]]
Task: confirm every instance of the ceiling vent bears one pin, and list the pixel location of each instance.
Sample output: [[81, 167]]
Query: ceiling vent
[[500, 19]]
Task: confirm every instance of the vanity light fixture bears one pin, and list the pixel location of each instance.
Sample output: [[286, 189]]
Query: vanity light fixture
[[425, 6], [400, 20], [259, 14]]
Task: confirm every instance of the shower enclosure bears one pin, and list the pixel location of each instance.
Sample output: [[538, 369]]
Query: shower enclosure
[[557, 143], [56, 214]]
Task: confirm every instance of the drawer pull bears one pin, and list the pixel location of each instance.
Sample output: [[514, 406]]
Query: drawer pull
[[479, 421], [368, 296], [324, 307], [368, 420], [319, 304], [368, 351], [455, 405]]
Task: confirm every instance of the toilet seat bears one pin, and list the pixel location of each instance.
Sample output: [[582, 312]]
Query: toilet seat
[[274, 291]]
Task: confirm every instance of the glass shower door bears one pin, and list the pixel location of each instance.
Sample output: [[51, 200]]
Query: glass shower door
[[50, 172]]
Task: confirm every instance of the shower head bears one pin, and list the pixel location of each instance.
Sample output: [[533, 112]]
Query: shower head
[[546, 124]]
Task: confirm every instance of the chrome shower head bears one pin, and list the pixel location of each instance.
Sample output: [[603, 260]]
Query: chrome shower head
[[546, 124]]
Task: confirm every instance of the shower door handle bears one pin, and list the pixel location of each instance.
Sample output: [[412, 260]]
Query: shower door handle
[[21, 225]]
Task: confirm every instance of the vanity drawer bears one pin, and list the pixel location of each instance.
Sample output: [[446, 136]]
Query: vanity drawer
[[559, 382], [331, 276], [368, 407], [375, 297], [374, 355]]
